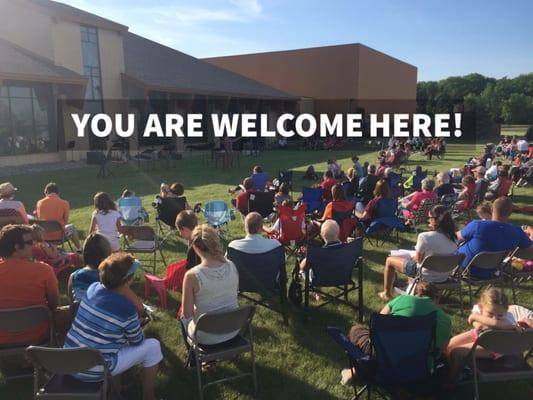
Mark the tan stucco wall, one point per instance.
(22, 23)
(321, 73)
(67, 46)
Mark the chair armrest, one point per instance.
(350, 349)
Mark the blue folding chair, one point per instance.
(396, 185)
(218, 215)
(131, 211)
(403, 356)
(386, 222)
(312, 198)
(260, 180)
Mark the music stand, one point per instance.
(70, 146)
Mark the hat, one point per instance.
(481, 169)
(134, 267)
(6, 189)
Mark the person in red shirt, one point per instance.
(23, 282)
(54, 208)
(241, 202)
(326, 185)
(412, 203)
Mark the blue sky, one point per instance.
(442, 38)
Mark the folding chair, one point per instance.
(515, 276)
(174, 274)
(218, 215)
(144, 240)
(381, 229)
(290, 228)
(312, 198)
(516, 346)
(259, 181)
(222, 323)
(343, 215)
(443, 264)
(131, 211)
(448, 200)
(261, 202)
(9, 216)
(17, 320)
(485, 261)
(285, 177)
(333, 268)
(402, 360)
(167, 209)
(421, 214)
(56, 366)
(262, 273)
(54, 227)
(396, 185)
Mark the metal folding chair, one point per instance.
(487, 261)
(10, 216)
(53, 370)
(516, 277)
(144, 240)
(55, 227)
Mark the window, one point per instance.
(25, 119)
(91, 62)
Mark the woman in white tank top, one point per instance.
(106, 219)
(210, 286)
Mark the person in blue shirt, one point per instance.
(107, 321)
(491, 235)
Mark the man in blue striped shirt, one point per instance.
(108, 321)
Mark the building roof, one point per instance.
(19, 63)
(73, 14)
(158, 67)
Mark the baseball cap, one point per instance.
(7, 188)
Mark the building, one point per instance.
(56, 60)
(343, 78)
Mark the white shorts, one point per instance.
(148, 353)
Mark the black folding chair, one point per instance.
(285, 177)
(403, 356)
(261, 202)
(167, 209)
(262, 273)
(489, 261)
(333, 268)
(51, 226)
(56, 366)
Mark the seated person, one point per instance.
(210, 286)
(282, 195)
(422, 303)
(465, 199)
(357, 166)
(96, 249)
(24, 283)
(275, 230)
(338, 202)
(414, 182)
(50, 254)
(484, 211)
(241, 201)
(412, 202)
(482, 184)
(496, 234)
(500, 187)
(107, 320)
(444, 186)
(310, 174)
(105, 219)
(327, 183)
(367, 185)
(439, 241)
(7, 200)
(492, 172)
(490, 313)
(254, 242)
(335, 169)
(351, 184)
(257, 169)
(175, 190)
(329, 233)
(54, 208)
(381, 206)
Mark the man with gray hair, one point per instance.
(254, 242)
(329, 232)
(444, 186)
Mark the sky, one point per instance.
(441, 38)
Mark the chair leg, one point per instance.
(360, 290)
(513, 289)
(306, 294)
(199, 375)
(155, 261)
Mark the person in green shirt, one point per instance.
(405, 306)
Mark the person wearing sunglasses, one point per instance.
(23, 282)
(440, 240)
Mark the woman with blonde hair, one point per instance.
(210, 286)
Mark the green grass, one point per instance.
(294, 362)
(514, 130)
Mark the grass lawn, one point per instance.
(514, 130)
(294, 362)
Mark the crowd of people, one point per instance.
(107, 315)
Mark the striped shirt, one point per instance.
(106, 321)
(81, 280)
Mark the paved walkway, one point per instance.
(32, 168)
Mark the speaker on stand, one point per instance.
(70, 146)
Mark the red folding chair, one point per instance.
(290, 233)
(173, 280)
